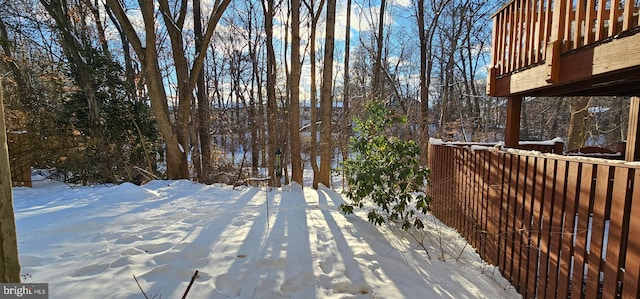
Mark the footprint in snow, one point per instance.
(326, 266)
(129, 239)
(346, 287)
(131, 251)
(90, 270)
(227, 286)
(298, 282)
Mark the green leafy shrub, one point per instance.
(386, 171)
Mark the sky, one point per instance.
(364, 19)
(399, 21)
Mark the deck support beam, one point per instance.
(633, 133)
(512, 127)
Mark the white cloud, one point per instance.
(403, 3)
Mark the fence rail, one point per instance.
(19, 159)
(556, 227)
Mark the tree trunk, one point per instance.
(346, 115)
(95, 11)
(9, 263)
(377, 64)
(271, 90)
(554, 130)
(326, 142)
(196, 162)
(294, 88)
(313, 93)
(424, 84)
(578, 122)
(128, 60)
(181, 67)
(204, 108)
(177, 140)
(254, 101)
(177, 167)
(426, 66)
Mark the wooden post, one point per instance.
(556, 41)
(627, 17)
(553, 61)
(512, 127)
(558, 148)
(633, 133)
(9, 264)
(493, 72)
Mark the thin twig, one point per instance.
(462, 251)
(141, 290)
(148, 175)
(420, 243)
(437, 223)
(193, 278)
(240, 172)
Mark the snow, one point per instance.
(594, 110)
(435, 141)
(481, 148)
(89, 242)
(543, 142)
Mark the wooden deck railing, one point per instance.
(530, 32)
(555, 226)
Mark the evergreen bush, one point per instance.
(385, 171)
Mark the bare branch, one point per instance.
(141, 290)
(193, 278)
(130, 32)
(215, 17)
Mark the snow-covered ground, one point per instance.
(89, 242)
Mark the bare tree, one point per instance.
(326, 109)
(177, 141)
(477, 29)
(449, 37)
(294, 89)
(346, 115)
(255, 119)
(426, 34)
(272, 108)
(378, 63)
(73, 49)
(579, 122)
(130, 70)
(315, 16)
(203, 114)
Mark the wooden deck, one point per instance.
(556, 226)
(564, 48)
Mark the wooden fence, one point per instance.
(556, 226)
(19, 159)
